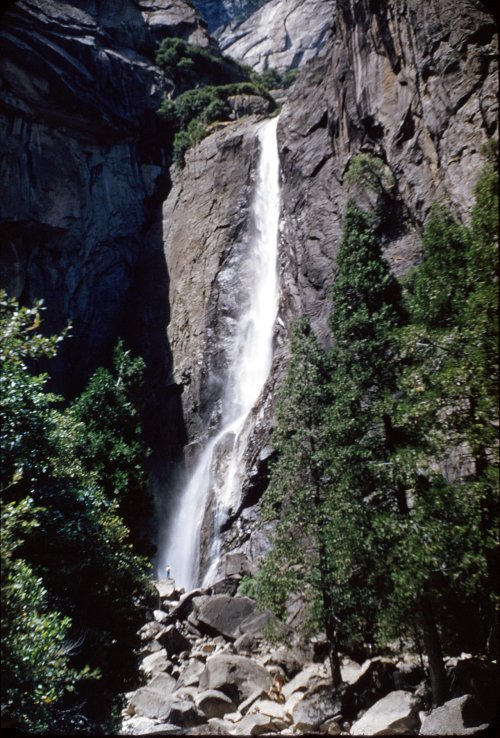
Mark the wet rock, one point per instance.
(394, 714)
(214, 704)
(460, 716)
(236, 676)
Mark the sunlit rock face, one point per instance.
(413, 85)
(270, 33)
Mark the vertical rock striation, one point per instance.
(411, 83)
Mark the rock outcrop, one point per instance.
(280, 35)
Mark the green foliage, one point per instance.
(369, 172)
(440, 287)
(109, 440)
(203, 83)
(69, 560)
(188, 65)
(36, 674)
(385, 489)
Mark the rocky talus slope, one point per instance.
(207, 669)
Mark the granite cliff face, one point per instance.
(412, 84)
(84, 161)
(275, 33)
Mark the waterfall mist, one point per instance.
(218, 466)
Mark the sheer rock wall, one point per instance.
(411, 83)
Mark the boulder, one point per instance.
(478, 678)
(185, 606)
(375, 680)
(244, 706)
(146, 726)
(394, 714)
(350, 670)
(310, 676)
(214, 704)
(185, 714)
(153, 700)
(160, 616)
(222, 614)
(289, 660)
(165, 588)
(149, 631)
(274, 710)
(236, 676)
(256, 624)
(245, 643)
(155, 663)
(312, 710)
(254, 724)
(460, 716)
(191, 675)
(173, 641)
(210, 729)
(408, 675)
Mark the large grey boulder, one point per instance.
(313, 710)
(214, 704)
(153, 700)
(155, 663)
(394, 714)
(460, 716)
(173, 641)
(221, 614)
(374, 681)
(236, 676)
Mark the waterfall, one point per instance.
(218, 466)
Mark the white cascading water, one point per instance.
(249, 366)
